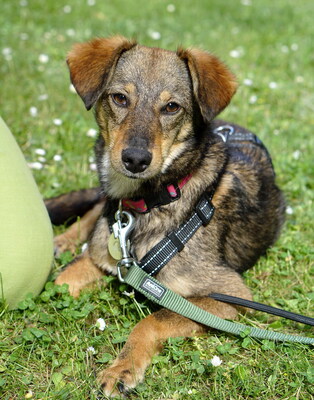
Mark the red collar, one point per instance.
(170, 194)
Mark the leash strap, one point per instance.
(174, 242)
(165, 297)
(263, 307)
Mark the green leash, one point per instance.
(153, 290)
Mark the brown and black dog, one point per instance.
(155, 111)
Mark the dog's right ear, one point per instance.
(90, 65)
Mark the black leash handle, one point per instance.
(263, 307)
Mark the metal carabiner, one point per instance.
(122, 231)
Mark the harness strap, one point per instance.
(174, 242)
(155, 291)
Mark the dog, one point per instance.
(155, 110)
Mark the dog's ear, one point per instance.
(90, 65)
(213, 84)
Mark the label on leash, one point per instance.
(153, 288)
(114, 248)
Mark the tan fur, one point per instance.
(80, 274)
(78, 232)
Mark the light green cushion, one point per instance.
(26, 246)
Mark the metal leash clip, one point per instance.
(122, 229)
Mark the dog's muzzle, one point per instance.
(136, 160)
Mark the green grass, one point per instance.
(43, 345)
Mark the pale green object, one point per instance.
(155, 291)
(26, 239)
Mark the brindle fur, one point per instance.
(249, 207)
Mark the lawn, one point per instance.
(52, 347)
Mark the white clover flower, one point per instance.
(216, 361)
(253, 99)
(70, 32)
(57, 157)
(7, 51)
(91, 349)
(40, 152)
(171, 8)
(47, 35)
(284, 49)
(35, 165)
(24, 36)
(33, 111)
(273, 85)
(43, 97)
(91, 159)
(294, 47)
(129, 294)
(299, 79)
(57, 121)
(93, 166)
(92, 132)
(101, 324)
(72, 88)
(296, 154)
(42, 159)
(248, 82)
(289, 210)
(43, 58)
(236, 53)
(91, 2)
(67, 9)
(154, 35)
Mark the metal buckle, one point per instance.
(224, 132)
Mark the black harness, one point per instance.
(175, 241)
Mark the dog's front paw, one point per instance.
(119, 380)
(63, 243)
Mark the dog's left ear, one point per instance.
(213, 84)
(90, 65)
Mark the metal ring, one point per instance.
(221, 129)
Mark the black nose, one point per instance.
(136, 160)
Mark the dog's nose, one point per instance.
(136, 160)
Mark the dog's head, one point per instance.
(146, 100)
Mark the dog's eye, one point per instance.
(119, 99)
(172, 108)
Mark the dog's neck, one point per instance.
(166, 195)
(116, 186)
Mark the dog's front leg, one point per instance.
(91, 265)
(146, 340)
(78, 232)
(81, 272)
